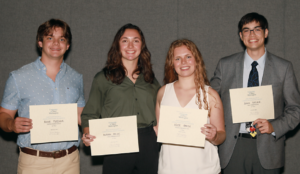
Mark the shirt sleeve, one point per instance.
(216, 80)
(11, 96)
(93, 107)
(81, 100)
(291, 115)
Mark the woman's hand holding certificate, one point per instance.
(181, 126)
(86, 137)
(210, 132)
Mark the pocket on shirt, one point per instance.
(72, 95)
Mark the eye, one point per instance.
(258, 29)
(136, 41)
(49, 38)
(177, 58)
(124, 41)
(246, 30)
(188, 57)
(62, 40)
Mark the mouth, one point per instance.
(185, 68)
(55, 49)
(130, 52)
(253, 40)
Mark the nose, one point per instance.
(55, 41)
(130, 44)
(183, 61)
(252, 33)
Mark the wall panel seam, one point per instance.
(177, 6)
(284, 34)
(70, 16)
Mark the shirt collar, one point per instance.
(40, 65)
(261, 61)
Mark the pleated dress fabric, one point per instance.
(177, 159)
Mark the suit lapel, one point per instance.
(239, 71)
(267, 77)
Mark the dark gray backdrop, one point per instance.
(212, 25)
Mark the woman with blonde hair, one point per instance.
(187, 86)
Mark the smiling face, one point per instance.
(54, 45)
(130, 45)
(184, 62)
(254, 40)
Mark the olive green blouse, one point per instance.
(110, 100)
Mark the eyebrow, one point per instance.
(52, 35)
(133, 38)
(184, 55)
(253, 28)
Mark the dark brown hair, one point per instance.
(250, 17)
(46, 28)
(200, 71)
(114, 69)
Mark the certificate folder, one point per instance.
(54, 123)
(114, 135)
(181, 126)
(249, 104)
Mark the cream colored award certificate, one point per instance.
(114, 135)
(249, 104)
(53, 123)
(181, 126)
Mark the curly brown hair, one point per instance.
(114, 69)
(200, 71)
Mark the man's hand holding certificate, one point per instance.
(54, 123)
(249, 104)
(182, 126)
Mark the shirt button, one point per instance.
(136, 99)
(235, 137)
(138, 113)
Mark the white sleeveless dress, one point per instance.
(175, 159)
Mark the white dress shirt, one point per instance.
(247, 69)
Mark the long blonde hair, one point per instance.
(200, 71)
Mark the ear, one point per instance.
(40, 44)
(68, 46)
(241, 36)
(266, 33)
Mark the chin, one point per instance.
(185, 75)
